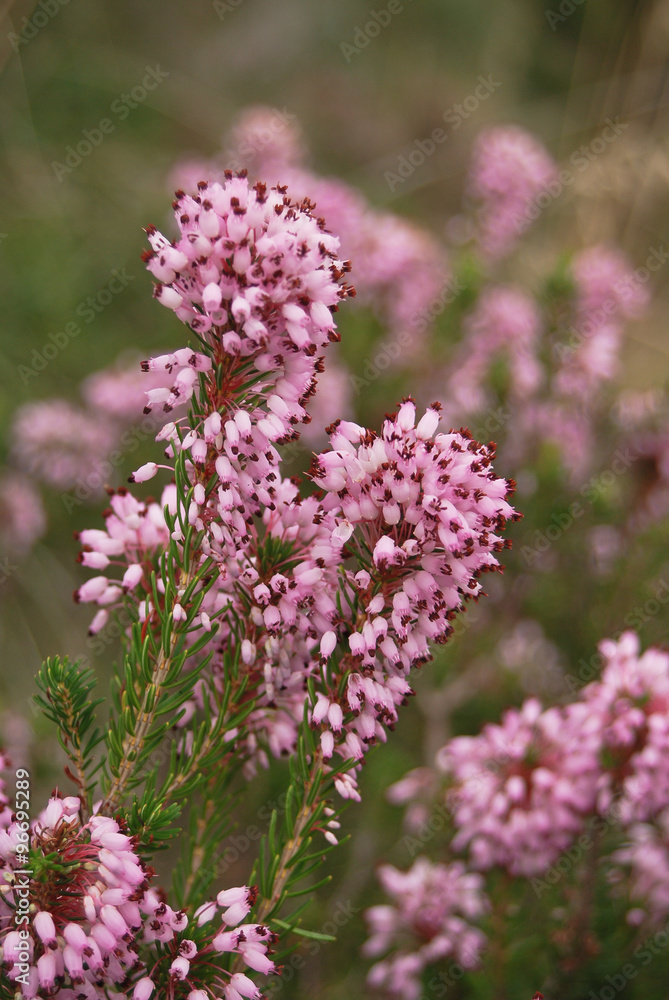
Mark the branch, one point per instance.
(134, 742)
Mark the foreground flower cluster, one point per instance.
(95, 917)
(265, 619)
(420, 510)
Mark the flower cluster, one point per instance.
(523, 788)
(57, 442)
(134, 535)
(257, 276)
(429, 920)
(628, 711)
(509, 172)
(505, 323)
(400, 269)
(297, 607)
(520, 793)
(607, 293)
(96, 925)
(423, 511)
(22, 518)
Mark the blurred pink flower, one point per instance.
(22, 517)
(509, 170)
(58, 443)
(428, 921)
(522, 788)
(504, 323)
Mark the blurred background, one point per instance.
(99, 103)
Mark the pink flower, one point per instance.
(645, 859)
(22, 517)
(428, 920)
(505, 323)
(628, 715)
(60, 444)
(401, 270)
(509, 170)
(426, 507)
(522, 789)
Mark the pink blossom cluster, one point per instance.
(70, 447)
(400, 268)
(422, 511)
(22, 517)
(555, 400)
(94, 926)
(523, 788)
(505, 324)
(281, 579)
(134, 535)
(429, 920)
(519, 795)
(255, 275)
(607, 294)
(509, 172)
(287, 603)
(55, 442)
(644, 858)
(257, 278)
(628, 710)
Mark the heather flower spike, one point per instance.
(259, 620)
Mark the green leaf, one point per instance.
(301, 932)
(66, 700)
